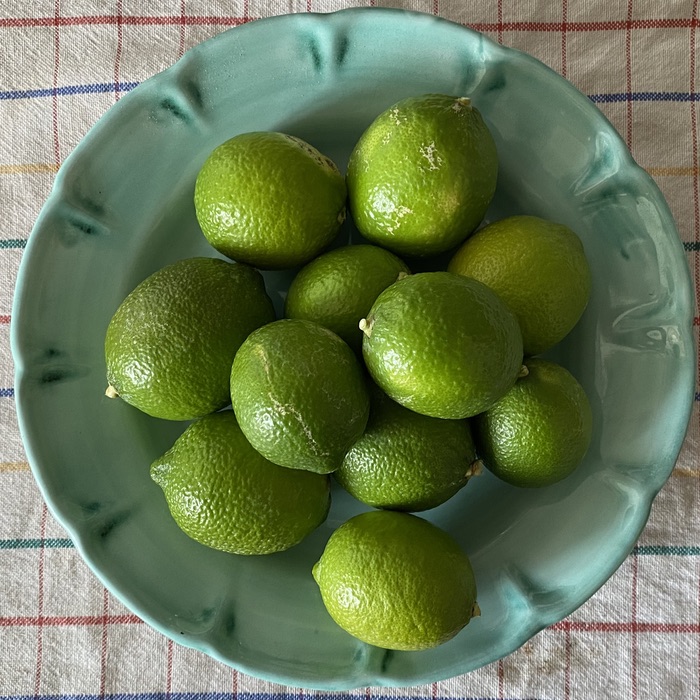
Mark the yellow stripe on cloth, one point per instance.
(677, 172)
(25, 168)
(692, 473)
(14, 466)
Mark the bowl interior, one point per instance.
(122, 208)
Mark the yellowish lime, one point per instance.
(396, 581)
(538, 268)
(269, 199)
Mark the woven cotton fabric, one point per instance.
(64, 63)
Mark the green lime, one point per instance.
(396, 581)
(442, 345)
(538, 268)
(269, 199)
(406, 461)
(338, 288)
(224, 494)
(170, 345)
(422, 175)
(299, 395)
(539, 432)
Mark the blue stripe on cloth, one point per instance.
(8, 243)
(293, 694)
(36, 543)
(667, 550)
(66, 90)
(7, 393)
(91, 88)
(65, 543)
(645, 97)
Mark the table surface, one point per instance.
(62, 65)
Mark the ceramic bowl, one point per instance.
(122, 208)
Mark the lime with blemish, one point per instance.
(422, 175)
(299, 394)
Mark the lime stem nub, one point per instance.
(366, 327)
(111, 392)
(475, 468)
(464, 101)
(476, 610)
(524, 371)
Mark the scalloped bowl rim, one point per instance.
(79, 537)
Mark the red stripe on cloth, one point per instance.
(567, 666)
(499, 25)
(698, 608)
(5, 318)
(181, 43)
(627, 627)
(635, 650)
(23, 22)
(563, 37)
(169, 670)
(118, 53)
(69, 620)
(220, 20)
(628, 72)
(614, 26)
(54, 106)
(40, 604)
(696, 206)
(103, 643)
(501, 679)
(696, 193)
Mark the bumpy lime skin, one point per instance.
(225, 495)
(269, 199)
(540, 431)
(423, 174)
(338, 288)
(299, 394)
(170, 345)
(539, 269)
(406, 461)
(396, 581)
(442, 345)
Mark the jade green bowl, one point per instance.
(122, 207)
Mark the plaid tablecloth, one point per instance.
(63, 63)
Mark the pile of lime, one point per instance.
(399, 386)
